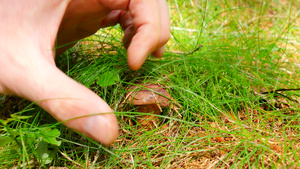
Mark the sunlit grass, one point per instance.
(227, 111)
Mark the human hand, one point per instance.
(145, 23)
(28, 31)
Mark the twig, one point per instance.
(280, 94)
(158, 104)
(96, 157)
(280, 90)
(190, 52)
(68, 158)
(184, 29)
(222, 159)
(213, 165)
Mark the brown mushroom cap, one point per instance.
(148, 94)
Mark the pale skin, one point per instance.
(30, 30)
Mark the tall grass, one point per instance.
(234, 103)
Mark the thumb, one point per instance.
(64, 99)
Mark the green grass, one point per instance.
(225, 113)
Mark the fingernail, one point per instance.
(101, 128)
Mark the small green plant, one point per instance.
(26, 138)
(108, 78)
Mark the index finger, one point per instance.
(147, 27)
(149, 20)
(165, 28)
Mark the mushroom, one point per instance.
(148, 98)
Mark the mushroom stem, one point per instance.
(148, 120)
